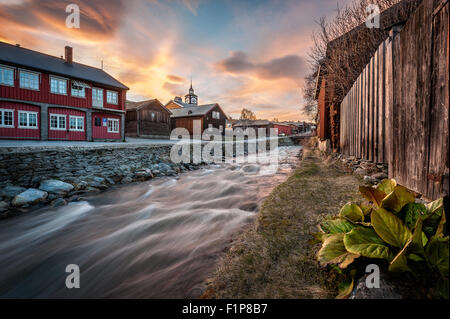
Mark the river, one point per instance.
(156, 239)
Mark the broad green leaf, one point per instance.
(352, 212)
(432, 221)
(414, 244)
(365, 241)
(435, 206)
(441, 227)
(398, 198)
(400, 263)
(345, 289)
(333, 251)
(372, 195)
(415, 257)
(438, 254)
(412, 212)
(424, 239)
(387, 186)
(366, 207)
(335, 226)
(390, 228)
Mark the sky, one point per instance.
(239, 53)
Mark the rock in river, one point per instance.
(29, 197)
(11, 191)
(55, 187)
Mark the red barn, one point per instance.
(285, 129)
(48, 98)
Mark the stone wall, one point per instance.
(28, 167)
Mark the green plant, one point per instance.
(388, 225)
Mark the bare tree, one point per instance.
(247, 115)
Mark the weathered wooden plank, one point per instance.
(389, 100)
(438, 167)
(375, 107)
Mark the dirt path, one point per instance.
(274, 257)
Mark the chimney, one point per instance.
(69, 55)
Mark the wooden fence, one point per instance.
(397, 110)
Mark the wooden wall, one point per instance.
(397, 110)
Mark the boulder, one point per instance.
(380, 176)
(144, 173)
(360, 171)
(59, 202)
(11, 191)
(4, 206)
(370, 179)
(391, 287)
(54, 186)
(81, 185)
(29, 197)
(126, 180)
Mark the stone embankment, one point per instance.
(56, 176)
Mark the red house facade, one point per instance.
(282, 128)
(48, 98)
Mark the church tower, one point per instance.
(191, 98)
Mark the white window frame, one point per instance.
(2, 75)
(109, 95)
(21, 84)
(76, 123)
(58, 128)
(113, 121)
(216, 115)
(2, 116)
(83, 89)
(97, 90)
(28, 120)
(58, 80)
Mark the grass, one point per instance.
(274, 258)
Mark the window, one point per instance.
(57, 122)
(97, 97)
(153, 117)
(113, 126)
(58, 85)
(98, 121)
(78, 91)
(29, 80)
(76, 123)
(111, 97)
(28, 119)
(6, 76)
(216, 115)
(6, 118)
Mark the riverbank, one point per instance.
(34, 177)
(274, 257)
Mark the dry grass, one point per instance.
(275, 258)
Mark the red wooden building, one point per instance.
(48, 98)
(282, 128)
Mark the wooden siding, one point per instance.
(66, 134)
(217, 123)
(187, 123)
(398, 109)
(101, 132)
(141, 123)
(44, 95)
(16, 132)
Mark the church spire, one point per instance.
(191, 98)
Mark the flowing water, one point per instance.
(157, 239)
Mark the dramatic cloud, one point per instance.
(175, 78)
(291, 66)
(99, 19)
(238, 53)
